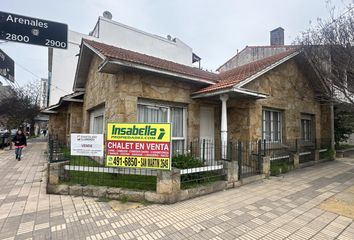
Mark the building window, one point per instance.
(97, 121)
(159, 113)
(306, 127)
(271, 126)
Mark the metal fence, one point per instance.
(199, 161)
(281, 154)
(248, 155)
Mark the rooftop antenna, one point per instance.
(107, 14)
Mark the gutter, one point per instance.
(151, 69)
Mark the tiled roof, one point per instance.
(150, 61)
(234, 76)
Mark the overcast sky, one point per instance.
(214, 29)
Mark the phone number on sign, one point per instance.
(138, 162)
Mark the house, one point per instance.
(62, 63)
(275, 97)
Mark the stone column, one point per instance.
(266, 166)
(296, 159)
(169, 184)
(56, 172)
(224, 98)
(231, 169)
(317, 155)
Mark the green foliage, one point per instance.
(186, 161)
(20, 105)
(139, 182)
(278, 168)
(344, 146)
(343, 123)
(194, 179)
(331, 154)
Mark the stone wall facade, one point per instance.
(289, 92)
(287, 88)
(58, 123)
(121, 92)
(67, 120)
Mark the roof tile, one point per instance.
(135, 57)
(231, 77)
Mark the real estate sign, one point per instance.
(139, 145)
(86, 144)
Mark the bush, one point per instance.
(186, 161)
(331, 154)
(276, 169)
(344, 146)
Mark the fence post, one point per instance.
(50, 145)
(296, 159)
(239, 160)
(265, 147)
(230, 151)
(266, 166)
(169, 184)
(297, 145)
(259, 157)
(191, 148)
(317, 155)
(203, 153)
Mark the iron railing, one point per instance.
(199, 161)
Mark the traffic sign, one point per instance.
(7, 67)
(35, 31)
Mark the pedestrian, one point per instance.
(20, 142)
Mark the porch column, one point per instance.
(224, 98)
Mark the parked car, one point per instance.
(13, 133)
(4, 139)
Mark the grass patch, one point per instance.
(328, 155)
(137, 182)
(103, 199)
(200, 179)
(344, 146)
(185, 161)
(83, 161)
(279, 168)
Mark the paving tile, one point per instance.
(284, 208)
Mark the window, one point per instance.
(97, 121)
(271, 126)
(306, 127)
(163, 114)
(98, 124)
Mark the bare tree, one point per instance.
(20, 106)
(328, 45)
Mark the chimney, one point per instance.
(277, 36)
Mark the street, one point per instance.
(286, 207)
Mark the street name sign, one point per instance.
(139, 145)
(7, 67)
(35, 31)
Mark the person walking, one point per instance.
(20, 142)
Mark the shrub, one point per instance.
(185, 161)
(276, 169)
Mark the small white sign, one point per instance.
(86, 144)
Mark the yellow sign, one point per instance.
(139, 145)
(152, 132)
(138, 162)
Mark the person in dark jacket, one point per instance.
(20, 142)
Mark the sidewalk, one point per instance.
(287, 207)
